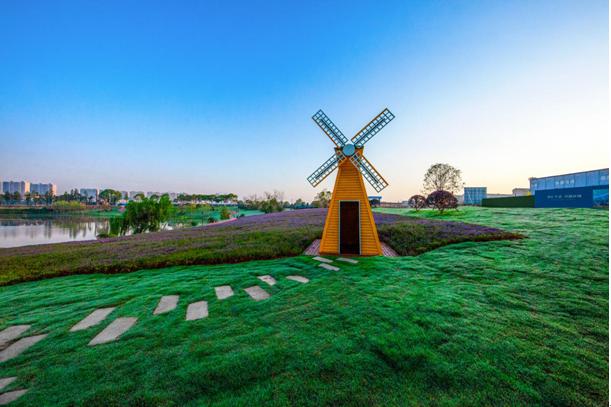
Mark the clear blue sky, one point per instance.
(217, 96)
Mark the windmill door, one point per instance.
(349, 228)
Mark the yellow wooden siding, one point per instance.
(349, 186)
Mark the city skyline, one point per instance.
(502, 91)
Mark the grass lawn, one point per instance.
(511, 322)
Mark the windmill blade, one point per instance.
(330, 129)
(325, 169)
(369, 172)
(372, 128)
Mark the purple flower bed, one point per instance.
(248, 238)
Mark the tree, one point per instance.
(28, 198)
(322, 199)
(143, 216)
(16, 196)
(417, 202)
(7, 197)
(442, 177)
(111, 196)
(225, 214)
(442, 200)
(271, 203)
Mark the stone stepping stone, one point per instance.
(11, 396)
(18, 347)
(112, 332)
(267, 279)
(299, 279)
(257, 293)
(197, 310)
(6, 381)
(328, 267)
(93, 319)
(345, 260)
(11, 333)
(223, 292)
(166, 304)
(322, 259)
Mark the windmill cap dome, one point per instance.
(348, 149)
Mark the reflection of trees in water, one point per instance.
(74, 228)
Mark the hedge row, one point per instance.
(510, 202)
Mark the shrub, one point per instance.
(417, 202)
(225, 214)
(442, 200)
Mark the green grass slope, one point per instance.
(514, 322)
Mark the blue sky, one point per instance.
(216, 97)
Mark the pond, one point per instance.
(16, 232)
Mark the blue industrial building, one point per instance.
(474, 195)
(586, 189)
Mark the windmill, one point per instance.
(349, 227)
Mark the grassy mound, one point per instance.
(249, 238)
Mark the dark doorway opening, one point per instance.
(349, 233)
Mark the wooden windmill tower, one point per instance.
(349, 227)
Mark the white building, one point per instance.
(91, 194)
(11, 187)
(42, 189)
(520, 191)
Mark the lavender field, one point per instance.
(249, 238)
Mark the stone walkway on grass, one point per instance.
(112, 332)
(257, 293)
(11, 396)
(197, 310)
(267, 279)
(92, 319)
(11, 346)
(223, 292)
(166, 304)
(16, 348)
(11, 333)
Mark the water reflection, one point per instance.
(23, 232)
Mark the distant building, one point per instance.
(573, 180)
(474, 195)
(132, 194)
(520, 192)
(91, 194)
(575, 190)
(11, 187)
(42, 189)
(150, 194)
(124, 195)
(374, 201)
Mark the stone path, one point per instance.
(11, 333)
(166, 304)
(92, 319)
(112, 332)
(197, 310)
(322, 259)
(223, 292)
(257, 293)
(299, 279)
(11, 396)
(346, 260)
(328, 267)
(16, 348)
(6, 381)
(314, 249)
(267, 279)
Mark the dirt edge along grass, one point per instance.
(259, 237)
